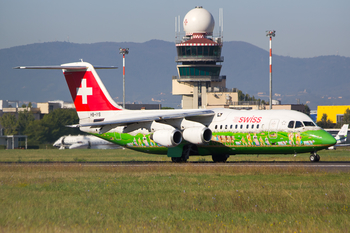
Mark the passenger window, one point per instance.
(216, 126)
(298, 124)
(257, 126)
(308, 123)
(291, 124)
(247, 126)
(225, 126)
(241, 126)
(231, 127)
(252, 126)
(220, 126)
(236, 126)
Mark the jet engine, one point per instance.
(168, 138)
(197, 135)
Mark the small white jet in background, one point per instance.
(84, 142)
(341, 137)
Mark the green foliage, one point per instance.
(346, 119)
(16, 126)
(52, 126)
(9, 124)
(240, 95)
(325, 123)
(24, 119)
(307, 110)
(247, 97)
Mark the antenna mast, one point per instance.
(221, 22)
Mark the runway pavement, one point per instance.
(322, 166)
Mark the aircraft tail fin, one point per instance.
(87, 89)
(342, 134)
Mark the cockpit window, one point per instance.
(291, 124)
(309, 123)
(298, 124)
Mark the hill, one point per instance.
(150, 65)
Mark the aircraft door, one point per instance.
(273, 126)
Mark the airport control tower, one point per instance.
(199, 64)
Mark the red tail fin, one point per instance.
(87, 89)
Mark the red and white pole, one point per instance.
(123, 51)
(124, 80)
(270, 34)
(270, 72)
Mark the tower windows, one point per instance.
(200, 71)
(212, 51)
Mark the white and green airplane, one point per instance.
(182, 133)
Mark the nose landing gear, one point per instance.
(314, 157)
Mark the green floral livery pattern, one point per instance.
(232, 142)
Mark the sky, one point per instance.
(304, 28)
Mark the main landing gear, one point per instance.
(181, 159)
(220, 158)
(186, 152)
(314, 157)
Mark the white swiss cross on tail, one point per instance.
(84, 91)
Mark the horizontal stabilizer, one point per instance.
(63, 67)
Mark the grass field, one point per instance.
(166, 197)
(120, 155)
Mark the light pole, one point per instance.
(123, 51)
(270, 34)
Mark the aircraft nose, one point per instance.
(328, 139)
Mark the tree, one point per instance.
(240, 95)
(247, 97)
(307, 110)
(325, 123)
(346, 119)
(52, 126)
(24, 119)
(9, 123)
(13, 125)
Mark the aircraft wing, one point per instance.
(341, 145)
(126, 119)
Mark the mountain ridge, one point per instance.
(150, 66)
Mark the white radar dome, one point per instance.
(198, 20)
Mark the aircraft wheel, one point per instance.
(317, 158)
(220, 158)
(176, 159)
(181, 159)
(314, 157)
(184, 159)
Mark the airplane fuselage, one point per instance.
(239, 132)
